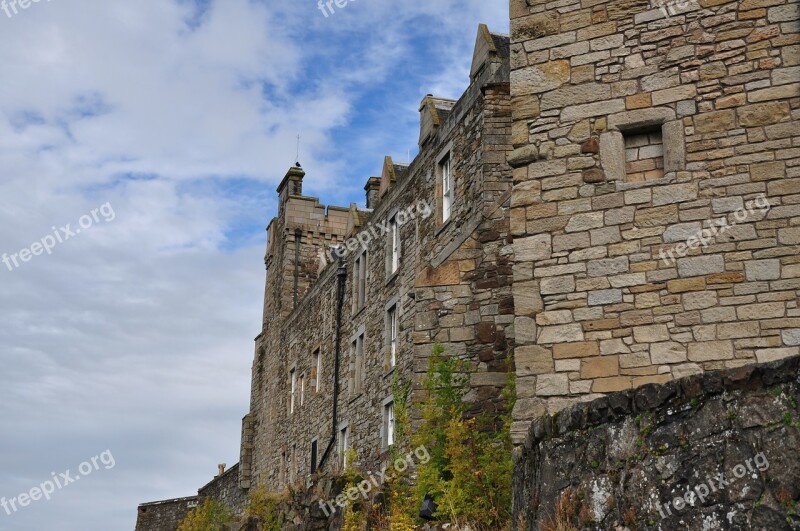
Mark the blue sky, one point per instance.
(136, 335)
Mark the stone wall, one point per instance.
(164, 515)
(452, 286)
(225, 489)
(627, 460)
(623, 276)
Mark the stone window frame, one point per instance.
(394, 302)
(292, 388)
(388, 401)
(360, 284)
(284, 469)
(391, 273)
(612, 144)
(313, 454)
(358, 361)
(316, 368)
(302, 381)
(293, 468)
(445, 152)
(343, 443)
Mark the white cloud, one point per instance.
(136, 335)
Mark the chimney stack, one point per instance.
(221, 468)
(372, 188)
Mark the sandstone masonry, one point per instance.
(633, 132)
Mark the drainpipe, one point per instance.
(341, 278)
(298, 234)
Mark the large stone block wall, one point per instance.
(710, 451)
(608, 295)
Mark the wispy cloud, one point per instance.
(137, 337)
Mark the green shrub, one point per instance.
(264, 505)
(469, 473)
(208, 516)
(355, 518)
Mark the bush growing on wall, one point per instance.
(469, 474)
(208, 516)
(264, 505)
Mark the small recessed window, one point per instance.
(293, 466)
(314, 456)
(293, 389)
(389, 423)
(644, 155)
(445, 171)
(302, 388)
(316, 370)
(344, 445)
(391, 321)
(360, 284)
(358, 363)
(394, 235)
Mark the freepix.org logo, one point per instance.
(700, 492)
(58, 481)
(12, 7)
(59, 235)
(373, 232)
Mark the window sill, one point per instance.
(392, 276)
(390, 372)
(353, 399)
(358, 311)
(624, 186)
(386, 451)
(442, 227)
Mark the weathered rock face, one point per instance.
(627, 460)
(656, 166)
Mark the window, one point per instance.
(391, 321)
(632, 150)
(447, 187)
(394, 234)
(644, 155)
(313, 456)
(388, 423)
(293, 389)
(344, 445)
(360, 282)
(358, 363)
(316, 371)
(283, 467)
(302, 388)
(293, 469)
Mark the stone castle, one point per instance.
(615, 199)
